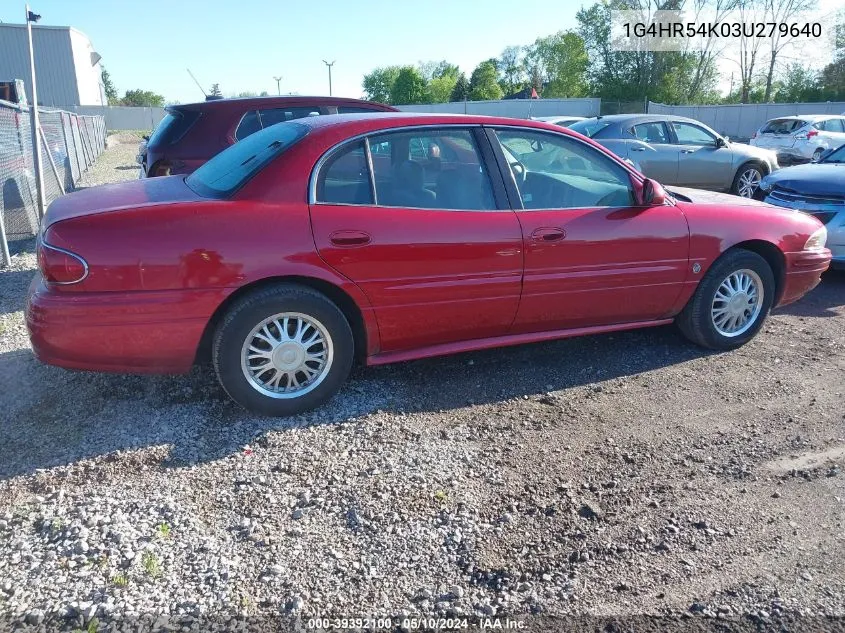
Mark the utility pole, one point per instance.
(278, 85)
(330, 74)
(36, 141)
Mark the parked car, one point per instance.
(561, 120)
(190, 134)
(679, 151)
(298, 249)
(817, 189)
(801, 138)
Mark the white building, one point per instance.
(66, 66)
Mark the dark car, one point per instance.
(817, 189)
(191, 134)
(679, 151)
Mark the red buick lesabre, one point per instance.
(390, 237)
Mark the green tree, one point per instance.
(144, 98)
(215, 91)
(562, 62)
(409, 87)
(108, 87)
(436, 70)
(378, 84)
(440, 88)
(512, 75)
(832, 79)
(484, 84)
(461, 90)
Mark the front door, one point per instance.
(436, 251)
(592, 256)
(654, 152)
(703, 161)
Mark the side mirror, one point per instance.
(653, 193)
(721, 142)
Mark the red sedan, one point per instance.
(391, 237)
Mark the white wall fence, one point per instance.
(741, 120)
(514, 108)
(122, 117)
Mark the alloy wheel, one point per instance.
(749, 180)
(737, 303)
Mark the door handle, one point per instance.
(350, 238)
(548, 234)
(687, 151)
(638, 149)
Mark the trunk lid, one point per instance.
(133, 193)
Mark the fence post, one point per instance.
(7, 259)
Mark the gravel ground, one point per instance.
(611, 476)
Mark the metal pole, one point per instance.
(7, 259)
(278, 85)
(330, 74)
(36, 146)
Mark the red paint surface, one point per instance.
(163, 261)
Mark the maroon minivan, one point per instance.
(191, 134)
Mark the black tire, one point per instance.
(817, 155)
(735, 187)
(247, 313)
(695, 320)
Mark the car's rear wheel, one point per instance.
(283, 350)
(747, 180)
(817, 155)
(731, 302)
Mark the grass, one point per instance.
(151, 564)
(163, 530)
(120, 579)
(93, 627)
(440, 495)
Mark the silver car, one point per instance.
(801, 138)
(563, 120)
(679, 151)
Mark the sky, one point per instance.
(243, 45)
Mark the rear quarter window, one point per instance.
(589, 128)
(782, 126)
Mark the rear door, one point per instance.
(702, 163)
(435, 248)
(654, 152)
(833, 131)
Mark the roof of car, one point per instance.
(805, 117)
(248, 102)
(627, 118)
(398, 119)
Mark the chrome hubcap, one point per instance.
(737, 303)
(287, 355)
(748, 182)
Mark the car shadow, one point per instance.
(826, 300)
(53, 417)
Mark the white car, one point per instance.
(562, 120)
(801, 138)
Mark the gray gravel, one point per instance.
(614, 475)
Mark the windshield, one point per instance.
(836, 156)
(172, 127)
(782, 126)
(227, 172)
(589, 127)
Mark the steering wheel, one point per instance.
(519, 171)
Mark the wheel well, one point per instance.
(773, 256)
(757, 163)
(342, 300)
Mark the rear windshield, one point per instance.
(232, 168)
(589, 127)
(782, 126)
(173, 126)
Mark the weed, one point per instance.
(151, 564)
(163, 530)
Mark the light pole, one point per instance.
(36, 143)
(330, 74)
(278, 85)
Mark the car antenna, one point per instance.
(197, 83)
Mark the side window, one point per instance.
(654, 132)
(271, 116)
(345, 178)
(248, 125)
(555, 172)
(689, 134)
(430, 169)
(833, 125)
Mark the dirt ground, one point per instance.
(631, 477)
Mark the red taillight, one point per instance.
(59, 266)
(812, 133)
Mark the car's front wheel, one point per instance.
(731, 302)
(747, 180)
(283, 350)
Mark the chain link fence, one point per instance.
(70, 143)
